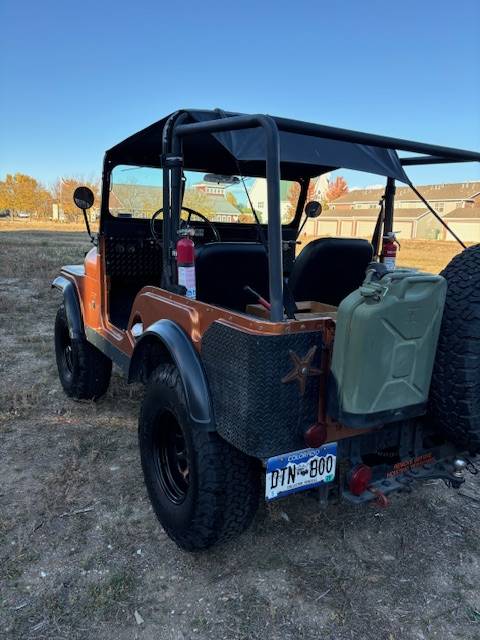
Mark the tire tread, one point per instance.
(455, 388)
(227, 498)
(93, 368)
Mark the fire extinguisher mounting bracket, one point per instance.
(172, 160)
(185, 232)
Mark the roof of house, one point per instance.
(431, 192)
(219, 204)
(350, 212)
(466, 213)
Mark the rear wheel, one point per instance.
(202, 490)
(455, 389)
(84, 371)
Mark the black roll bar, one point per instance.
(174, 130)
(420, 160)
(389, 205)
(268, 124)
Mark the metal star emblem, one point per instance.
(302, 369)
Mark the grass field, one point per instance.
(427, 255)
(82, 556)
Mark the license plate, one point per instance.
(300, 470)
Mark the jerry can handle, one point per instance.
(422, 279)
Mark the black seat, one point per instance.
(328, 269)
(224, 268)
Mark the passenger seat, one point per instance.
(328, 269)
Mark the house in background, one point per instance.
(355, 214)
(140, 201)
(215, 200)
(258, 196)
(135, 200)
(214, 189)
(465, 222)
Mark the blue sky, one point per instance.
(77, 77)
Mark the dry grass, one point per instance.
(427, 255)
(80, 549)
(41, 225)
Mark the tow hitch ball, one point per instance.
(459, 467)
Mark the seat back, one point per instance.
(328, 269)
(224, 268)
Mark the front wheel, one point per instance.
(202, 490)
(84, 371)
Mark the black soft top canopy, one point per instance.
(306, 149)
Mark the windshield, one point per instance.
(136, 192)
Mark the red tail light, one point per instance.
(316, 435)
(359, 480)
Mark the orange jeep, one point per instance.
(331, 371)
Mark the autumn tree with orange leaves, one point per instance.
(20, 193)
(62, 193)
(293, 196)
(336, 188)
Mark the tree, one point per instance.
(246, 218)
(293, 196)
(232, 200)
(336, 189)
(199, 201)
(22, 193)
(62, 193)
(139, 200)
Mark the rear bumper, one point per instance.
(396, 480)
(399, 456)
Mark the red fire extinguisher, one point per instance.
(186, 262)
(389, 250)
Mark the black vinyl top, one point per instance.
(306, 149)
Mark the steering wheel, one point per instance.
(191, 212)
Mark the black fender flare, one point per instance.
(72, 307)
(183, 354)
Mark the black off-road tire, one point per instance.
(219, 494)
(455, 388)
(84, 371)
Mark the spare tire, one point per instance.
(455, 388)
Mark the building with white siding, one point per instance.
(355, 213)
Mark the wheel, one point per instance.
(202, 490)
(84, 371)
(455, 388)
(191, 212)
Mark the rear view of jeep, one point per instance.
(268, 370)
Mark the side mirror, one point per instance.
(313, 209)
(83, 198)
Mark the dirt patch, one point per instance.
(82, 556)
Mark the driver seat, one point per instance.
(222, 269)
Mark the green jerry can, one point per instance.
(384, 348)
